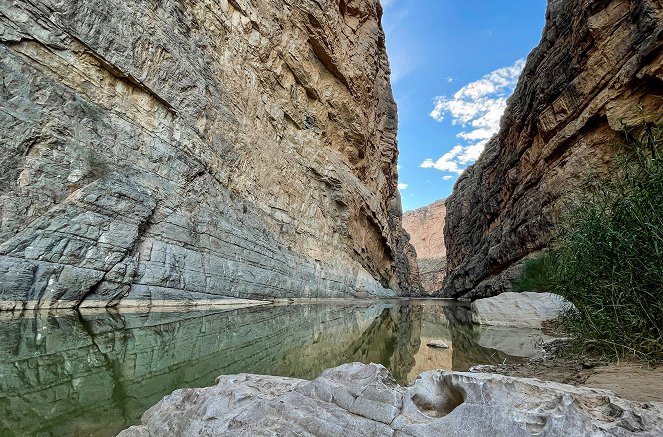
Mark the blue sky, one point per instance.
(454, 63)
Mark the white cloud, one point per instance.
(481, 101)
(447, 177)
(402, 186)
(448, 161)
(401, 65)
(477, 108)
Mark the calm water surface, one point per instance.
(94, 374)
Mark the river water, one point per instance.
(94, 374)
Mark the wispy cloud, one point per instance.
(477, 108)
(402, 186)
(448, 161)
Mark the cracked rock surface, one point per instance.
(358, 399)
(186, 151)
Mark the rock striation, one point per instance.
(425, 226)
(598, 69)
(357, 399)
(156, 151)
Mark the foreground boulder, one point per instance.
(358, 399)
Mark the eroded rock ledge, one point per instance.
(357, 399)
(189, 150)
(598, 69)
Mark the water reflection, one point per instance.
(93, 374)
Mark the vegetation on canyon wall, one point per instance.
(607, 257)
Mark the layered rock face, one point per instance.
(425, 226)
(597, 70)
(357, 399)
(189, 150)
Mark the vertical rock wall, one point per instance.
(184, 150)
(598, 69)
(425, 227)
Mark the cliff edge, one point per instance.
(598, 69)
(184, 151)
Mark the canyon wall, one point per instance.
(597, 70)
(181, 150)
(425, 227)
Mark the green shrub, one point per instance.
(536, 274)
(607, 258)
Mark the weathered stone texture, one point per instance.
(598, 68)
(357, 399)
(426, 228)
(185, 150)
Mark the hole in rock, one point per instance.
(443, 400)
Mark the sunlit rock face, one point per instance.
(598, 69)
(425, 226)
(191, 150)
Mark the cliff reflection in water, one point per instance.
(71, 374)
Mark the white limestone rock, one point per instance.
(358, 399)
(518, 310)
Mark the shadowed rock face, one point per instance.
(598, 68)
(191, 150)
(425, 226)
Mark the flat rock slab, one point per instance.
(518, 310)
(437, 344)
(358, 399)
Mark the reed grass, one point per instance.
(607, 257)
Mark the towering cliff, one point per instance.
(598, 69)
(183, 150)
(424, 226)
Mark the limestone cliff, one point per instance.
(425, 227)
(598, 68)
(185, 150)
